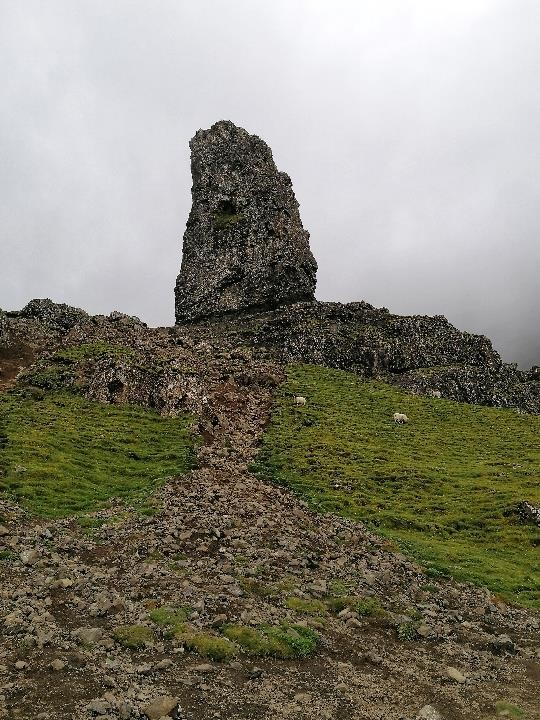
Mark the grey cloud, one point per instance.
(411, 131)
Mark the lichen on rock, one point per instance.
(244, 244)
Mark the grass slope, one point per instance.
(445, 486)
(63, 454)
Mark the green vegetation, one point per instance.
(444, 486)
(364, 606)
(224, 220)
(280, 641)
(47, 377)
(406, 631)
(59, 371)
(90, 351)
(170, 619)
(506, 709)
(133, 637)
(64, 455)
(210, 646)
(307, 607)
(283, 641)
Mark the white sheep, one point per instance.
(299, 400)
(400, 418)
(435, 393)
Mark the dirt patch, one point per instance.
(14, 358)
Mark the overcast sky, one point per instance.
(410, 128)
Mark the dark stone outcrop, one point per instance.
(244, 244)
(529, 513)
(422, 354)
(56, 316)
(4, 329)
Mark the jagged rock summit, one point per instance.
(244, 244)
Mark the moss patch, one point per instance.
(63, 454)
(506, 709)
(225, 220)
(170, 619)
(210, 646)
(133, 637)
(444, 487)
(90, 351)
(365, 606)
(307, 607)
(283, 641)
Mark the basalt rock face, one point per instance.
(419, 353)
(56, 316)
(244, 244)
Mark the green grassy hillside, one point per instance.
(62, 454)
(445, 486)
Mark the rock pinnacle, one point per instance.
(244, 244)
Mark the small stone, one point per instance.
(455, 675)
(88, 635)
(99, 707)
(29, 557)
(144, 669)
(57, 665)
(503, 644)
(163, 664)
(125, 710)
(160, 707)
(219, 620)
(203, 668)
(428, 712)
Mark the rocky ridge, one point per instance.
(419, 353)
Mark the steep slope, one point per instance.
(448, 485)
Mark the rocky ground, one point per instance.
(230, 549)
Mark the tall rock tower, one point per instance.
(244, 244)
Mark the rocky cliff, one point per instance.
(244, 245)
(248, 278)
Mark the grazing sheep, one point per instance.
(400, 418)
(435, 393)
(299, 400)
